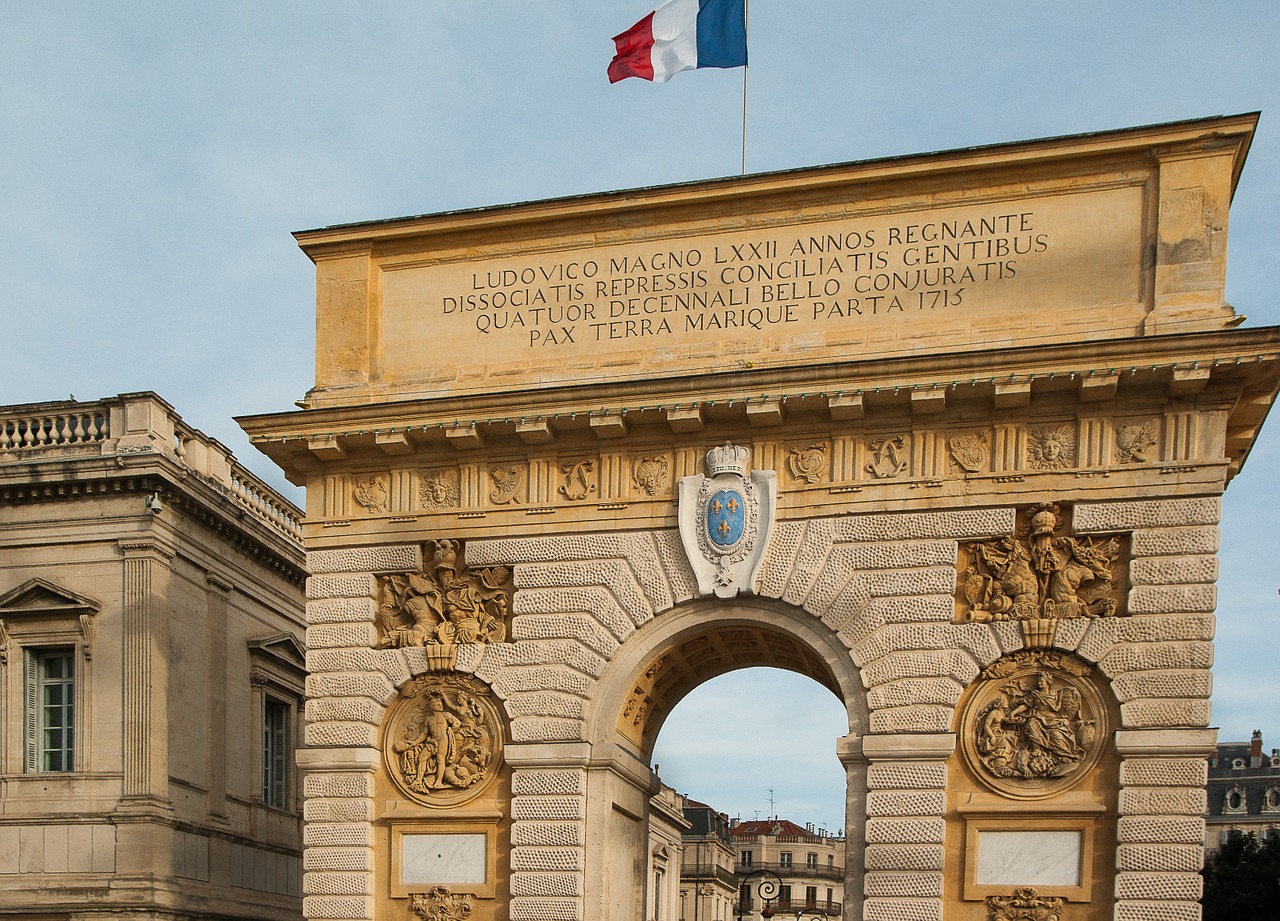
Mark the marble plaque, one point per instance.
(1028, 858)
(443, 859)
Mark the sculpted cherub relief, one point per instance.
(1024, 905)
(1040, 573)
(443, 603)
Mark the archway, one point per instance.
(658, 667)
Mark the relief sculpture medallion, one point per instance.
(1033, 724)
(443, 739)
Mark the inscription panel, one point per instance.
(870, 286)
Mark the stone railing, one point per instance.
(76, 425)
(141, 424)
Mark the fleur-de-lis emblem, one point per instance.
(724, 529)
(734, 505)
(717, 507)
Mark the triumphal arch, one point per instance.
(945, 433)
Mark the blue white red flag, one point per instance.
(682, 35)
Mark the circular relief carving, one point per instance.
(442, 743)
(1032, 727)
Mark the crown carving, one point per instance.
(728, 458)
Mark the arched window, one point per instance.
(1234, 800)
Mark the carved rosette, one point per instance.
(1033, 724)
(439, 904)
(1039, 573)
(442, 741)
(1024, 905)
(445, 604)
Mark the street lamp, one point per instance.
(768, 889)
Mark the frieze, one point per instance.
(442, 742)
(440, 488)
(890, 460)
(579, 480)
(808, 464)
(1051, 448)
(1135, 442)
(1033, 724)
(371, 493)
(1040, 572)
(970, 451)
(652, 475)
(1024, 905)
(508, 481)
(446, 603)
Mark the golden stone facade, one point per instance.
(997, 394)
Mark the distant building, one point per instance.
(151, 671)
(1244, 792)
(808, 861)
(708, 884)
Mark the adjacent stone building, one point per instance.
(808, 862)
(1243, 792)
(151, 670)
(708, 884)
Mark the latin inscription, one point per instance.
(838, 275)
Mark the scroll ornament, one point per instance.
(1024, 905)
(442, 604)
(439, 904)
(1042, 575)
(443, 739)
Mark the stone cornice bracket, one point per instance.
(465, 436)
(326, 447)
(158, 550)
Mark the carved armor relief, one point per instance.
(1024, 905)
(1041, 572)
(1033, 724)
(445, 604)
(442, 740)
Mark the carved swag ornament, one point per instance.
(446, 603)
(443, 739)
(1032, 726)
(1039, 572)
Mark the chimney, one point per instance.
(1255, 749)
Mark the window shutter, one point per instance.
(31, 744)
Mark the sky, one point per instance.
(155, 158)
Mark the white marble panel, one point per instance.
(1028, 858)
(443, 859)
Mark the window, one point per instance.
(784, 860)
(50, 709)
(746, 858)
(831, 861)
(811, 895)
(1271, 799)
(812, 861)
(1234, 800)
(831, 893)
(275, 753)
(784, 897)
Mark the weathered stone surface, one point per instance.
(907, 776)
(547, 859)
(1160, 858)
(321, 859)
(337, 908)
(1194, 683)
(1172, 599)
(944, 691)
(1158, 911)
(346, 783)
(373, 559)
(530, 782)
(1174, 541)
(902, 909)
(547, 808)
(1164, 772)
(333, 835)
(373, 685)
(1167, 801)
(341, 735)
(547, 834)
(1174, 570)
(917, 718)
(344, 709)
(952, 663)
(1159, 886)
(1159, 830)
(342, 585)
(906, 831)
(1133, 657)
(337, 636)
(918, 857)
(546, 909)
(1140, 514)
(903, 885)
(1140, 714)
(906, 803)
(546, 885)
(341, 611)
(335, 809)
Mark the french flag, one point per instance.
(682, 35)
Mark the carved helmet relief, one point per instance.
(442, 741)
(445, 603)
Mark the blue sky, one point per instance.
(154, 158)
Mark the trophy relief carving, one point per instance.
(439, 904)
(371, 493)
(652, 475)
(1024, 905)
(1039, 572)
(443, 739)
(890, 460)
(1033, 724)
(808, 463)
(507, 483)
(439, 488)
(1134, 442)
(446, 603)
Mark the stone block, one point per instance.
(1148, 713)
(546, 885)
(1160, 830)
(976, 639)
(527, 679)
(903, 885)
(944, 691)
(917, 718)
(547, 834)
(906, 831)
(909, 857)
(547, 859)
(1141, 514)
(546, 729)
(1173, 599)
(1158, 628)
(342, 585)
(341, 611)
(811, 554)
(886, 803)
(333, 809)
(527, 782)
(344, 709)
(339, 684)
(548, 808)
(333, 783)
(595, 601)
(907, 776)
(956, 524)
(1164, 772)
(337, 636)
(328, 859)
(777, 565)
(1194, 683)
(615, 575)
(330, 835)
(1161, 887)
(1174, 541)
(544, 909)
(1174, 570)
(582, 627)
(338, 908)
(1168, 801)
(547, 703)
(386, 558)
(1135, 657)
(952, 663)
(1157, 911)
(341, 735)
(902, 910)
(1160, 858)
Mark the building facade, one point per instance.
(1243, 792)
(809, 865)
(151, 670)
(708, 884)
(947, 434)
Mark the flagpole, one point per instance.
(746, 28)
